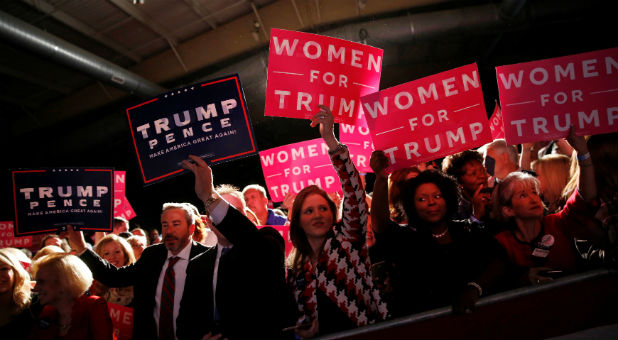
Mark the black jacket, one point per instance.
(143, 275)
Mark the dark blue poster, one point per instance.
(46, 200)
(209, 120)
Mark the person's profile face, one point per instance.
(47, 286)
(255, 200)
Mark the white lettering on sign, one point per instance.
(334, 54)
(540, 76)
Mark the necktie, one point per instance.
(166, 316)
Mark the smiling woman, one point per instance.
(328, 268)
(536, 243)
(456, 259)
(119, 253)
(62, 280)
(14, 296)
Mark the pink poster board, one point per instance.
(122, 207)
(292, 167)
(542, 99)
(8, 239)
(496, 124)
(358, 139)
(428, 118)
(305, 70)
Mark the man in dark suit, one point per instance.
(238, 289)
(148, 273)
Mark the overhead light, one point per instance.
(141, 2)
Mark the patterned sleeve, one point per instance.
(355, 208)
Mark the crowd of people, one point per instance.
(487, 220)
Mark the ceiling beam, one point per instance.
(259, 19)
(203, 13)
(81, 27)
(198, 53)
(145, 19)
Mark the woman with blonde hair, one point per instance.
(61, 282)
(553, 171)
(15, 288)
(537, 244)
(51, 249)
(117, 251)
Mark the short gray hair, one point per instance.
(500, 146)
(503, 193)
(189, 209)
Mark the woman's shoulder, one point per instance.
(90, 301)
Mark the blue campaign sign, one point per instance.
(209, 120)
(47, 200)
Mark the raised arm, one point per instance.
(379, 204)
(525, 157)
(587, 184)
(234, 225)
(355, 208)
(102, 270)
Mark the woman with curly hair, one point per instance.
(435, 260)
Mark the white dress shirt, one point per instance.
(180, 273)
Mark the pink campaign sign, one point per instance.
(292, 167)
(122, 207)
(358, 139)
(496, 124)
(120, 179)
(542, 99)
(428, 118)
(8, 239)
(305, 70)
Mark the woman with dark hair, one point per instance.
(468, 169)
(435, 260)
(328, 268)
(395, 181)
